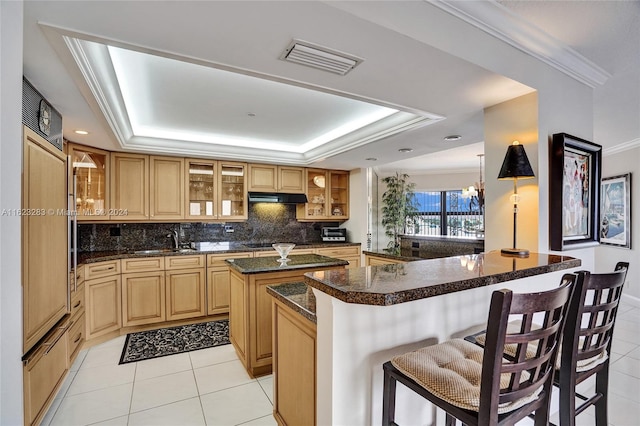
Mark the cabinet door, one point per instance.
(201, 192)
(166, 190)
(238, 316)
(185, 294)
(291, 179)
(129, 186)
(233, 191)
(44, 238)
(91, 171)
(103, 301)
(218, 281)
(143, 298)
(263, 178)
(317, 207)
(338, 195)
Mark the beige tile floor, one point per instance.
(210, 387)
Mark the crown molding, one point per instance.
(622, 147)
(498, 21)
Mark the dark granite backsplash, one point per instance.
(267, 223)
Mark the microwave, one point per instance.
(331, 234)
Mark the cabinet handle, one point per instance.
(50, 345)
(77, 304)
(78, 338)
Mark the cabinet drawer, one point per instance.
(217, 260)
(338, 252)
(75, 337)
(184, 262)
(267, 253)
(77, 302)
(101, 269)
(143, 264)
(42, 375)
(80, 275)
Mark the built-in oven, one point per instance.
(333, 234)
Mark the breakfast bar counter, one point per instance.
(365, 316)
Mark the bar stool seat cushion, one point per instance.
(513, 327)
(452, 371)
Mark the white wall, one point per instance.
(504, 123)
(608, 256)
(10, 170)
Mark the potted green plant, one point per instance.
(399, 209)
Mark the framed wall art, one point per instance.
(574, 192)
(615, 211)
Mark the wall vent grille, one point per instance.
(312, 55)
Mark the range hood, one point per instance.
(275, 197)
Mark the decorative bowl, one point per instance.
(283, 249)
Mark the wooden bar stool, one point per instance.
(479, 386)
(587, 342)
(587, 338)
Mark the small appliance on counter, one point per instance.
(332, 234)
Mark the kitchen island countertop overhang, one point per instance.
(404, 282)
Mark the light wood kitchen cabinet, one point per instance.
(43, 373)
(294, 357)
(232, 193)
(91, 171)
(44, 238)
(327, 194)
(250, 315)
(350, 253)
(269, 253)
(272, 178)
(129, 186)
(372, 260)
(219, 281)
(185, 294)
(76, 332)
(103, 305)
(101, 269)
(166, 190)
(201, 189)
(143, 298)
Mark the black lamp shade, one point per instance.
(515, 164)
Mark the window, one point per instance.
(462, 217)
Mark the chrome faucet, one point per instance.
(174, 235)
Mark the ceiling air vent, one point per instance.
(312, 55)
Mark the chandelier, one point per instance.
(475, 193)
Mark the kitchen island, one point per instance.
(250, 306)
(365, 316)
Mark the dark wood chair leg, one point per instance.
(602, 383)
(567, 400)
(388, 399)
(542, 413)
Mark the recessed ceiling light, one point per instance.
(371, 159)
(81, 132)
(251, 114)
(452, 138)
(405, 150)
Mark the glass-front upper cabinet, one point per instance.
(90, 168)
(233, 191)
(317, 196)
(201, 189)
(339, 195)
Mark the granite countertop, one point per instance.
(201, 248)
(258, 265)
(297, 296)
(399, 283)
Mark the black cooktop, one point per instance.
(258, 245)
